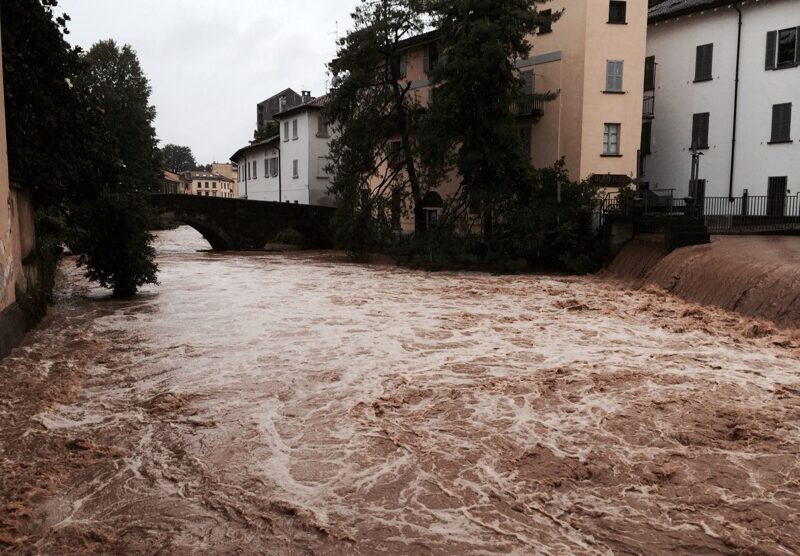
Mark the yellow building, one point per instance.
(593, 57)
(209, 184)
(230, 171)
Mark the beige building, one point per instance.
(209, 184)
(593, 57)
(230, 171)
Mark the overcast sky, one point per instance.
(211, 61)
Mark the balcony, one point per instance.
(649, 107)
(527, 106)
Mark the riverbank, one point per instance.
(755, 276)
(292, 403)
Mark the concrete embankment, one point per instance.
(757, 276)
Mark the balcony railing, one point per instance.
(527, 106)
(649, 107)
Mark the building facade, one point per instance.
(230, 171)
(723, 77)
(304, 145)
(208, 184)
(18, 274)
(259, 171)
(171, 184)
(292, 166)
(593, 58)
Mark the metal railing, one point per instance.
(528, 105)
(722, 215)
(649, 106)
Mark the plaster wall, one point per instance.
(10, 263)
(260, 188)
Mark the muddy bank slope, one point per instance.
(757, 276)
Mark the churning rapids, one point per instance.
(295, 403)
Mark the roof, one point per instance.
(424, 38)
(205, 176)
(171, 176)
(669, 9)
(282, 93)
(314, 104)
(274, 141)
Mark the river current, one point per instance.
(293, 403)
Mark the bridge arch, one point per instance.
(216, 238)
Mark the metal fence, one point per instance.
(722, 215)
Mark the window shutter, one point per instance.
(786, 121)
(403, 64)
(698, 64)
(609, 76)
(427, 60)
(772, 50)
(797, 46)
(708, 61)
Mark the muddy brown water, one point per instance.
(297, 404)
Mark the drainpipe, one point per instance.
(735, 102)
(246, 169)
(280, 176)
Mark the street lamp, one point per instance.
(696, 154)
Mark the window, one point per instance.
(397, 207)
(776, 196)
(528, 82)
(781, 123)
(214, 185)
(704, 62)
(322, 127)
(525, 135)
(396, 154)
(617, 11)
(207, 184)
(322, 167)
(431, 58)
(547, 23)
(255, 170)
(273, 167)
(611, 140)
(294, 129)
(787, 47)
(700, 130)
(286, 131)
(783, 48)
(295, 169)
(614, 76)
(647, 137)
(650, 73)
(266, 167)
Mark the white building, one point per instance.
(259, 171)
(291, 167)
(696, 49)
(304, 153)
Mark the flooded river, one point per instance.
(298, 404)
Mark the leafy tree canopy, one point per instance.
(178, 159)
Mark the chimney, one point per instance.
(281, 103)
(306, 96)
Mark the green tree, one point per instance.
(115, 85)
(81, 137)
(178, 159)
(470, 125)
(373, 109)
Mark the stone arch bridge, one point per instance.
(238, 225)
